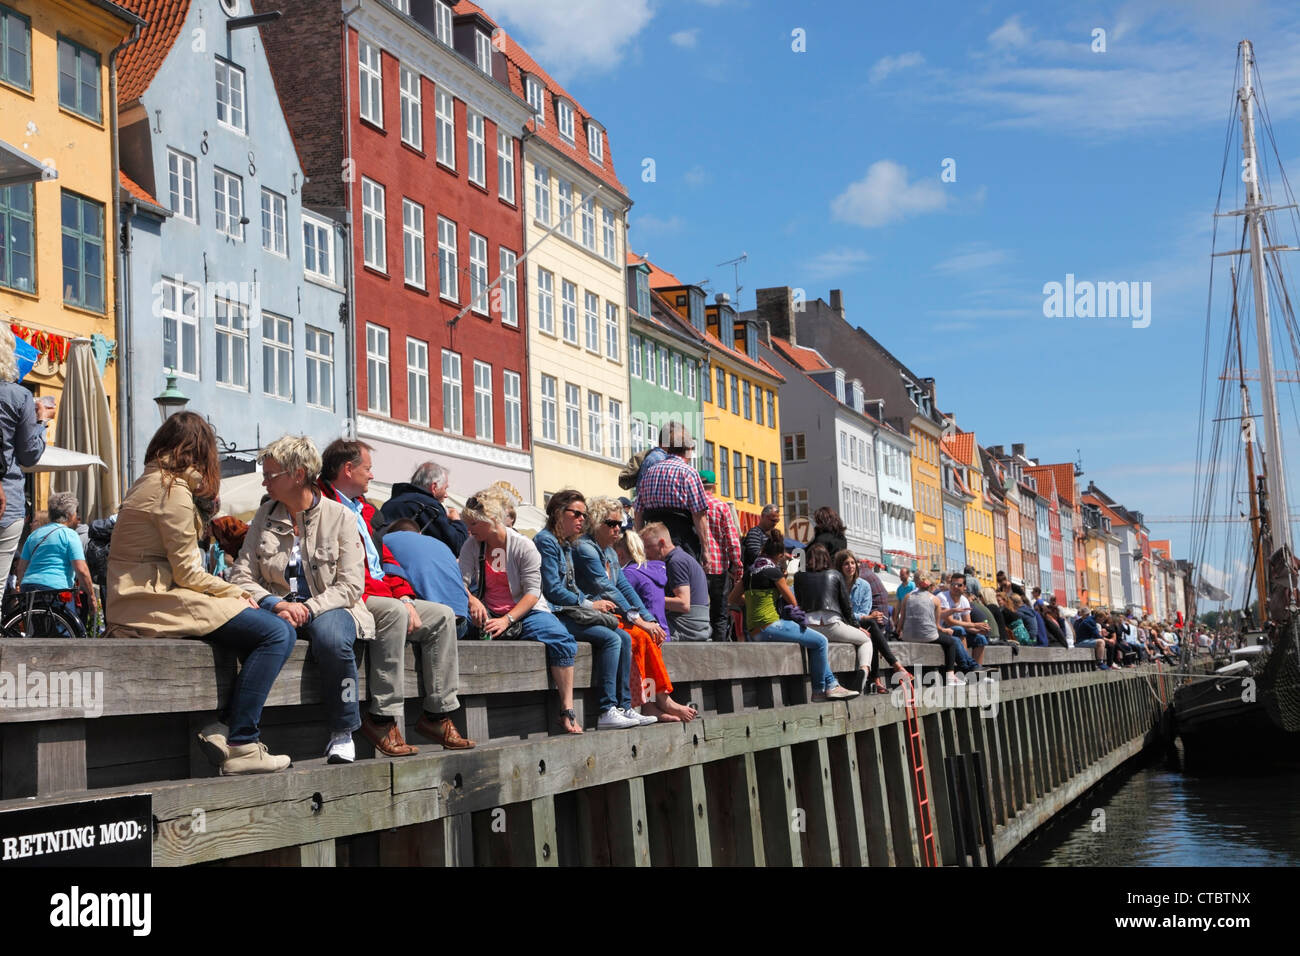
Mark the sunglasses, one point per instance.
(273, 475)
(576, 513)
(613, 523)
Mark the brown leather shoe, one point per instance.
(386, 738)
(443, 732)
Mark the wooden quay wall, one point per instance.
(763, 776)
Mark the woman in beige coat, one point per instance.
(302, 560)
(157, 586)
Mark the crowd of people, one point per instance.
(319, 563)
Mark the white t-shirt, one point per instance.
(963, 604)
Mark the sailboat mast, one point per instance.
(1274, 469)
(1247, 424)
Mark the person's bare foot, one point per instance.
(569, 722)
(675, 711)
(652, 709)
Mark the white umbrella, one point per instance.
(85, 425)
(61, 459)
(242, 494)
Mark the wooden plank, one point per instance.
(544, 838)
(699, 812)
(457, 840)
(44, 759)
(753, 809)
(814, 806)
(782, 845)
(420, 844)
(317, 854)
(846, 790)
(629, 833)
(937, 748)
(901, 796)
(476, 718)
(871, 772)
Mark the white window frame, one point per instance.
(542, 194)
(591, 321)
(448, 261)
(182, 319)
(535, 93)
(182, 185)
(651, 362)
(794, 447)
(318, 228)
(595, 423)
(445, 111)
(374, 237)
(595, 143)
(320, 366)
(442, 21)
(550, 408)
(588, 213)
(483, 51)
(564, 119)
(228, 193)
(417, 382)
(692, 372)
(506, 166)
(478, 273)
(677, 372)
(508, 287)
(377, 399)
(483, 425)
(569, 311)
(370, 82)
(634, 356)
(453, 419)
(275, 214)
(477, 147)
(663, 367)
(609, 235)
(231, 79)
(615, 429)
(545, 301)
(572, 415)
(564, 207)
(277, 355)
(613, 332)
(233, 339)
(413, 243)
(412, 120)
(510, 388)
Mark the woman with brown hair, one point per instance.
(868, 618)
(828, 531)
(157, 586)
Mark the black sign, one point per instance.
(114, 831)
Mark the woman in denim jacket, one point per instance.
(611, 649)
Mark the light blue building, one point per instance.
(1045, 546)
(227, 280)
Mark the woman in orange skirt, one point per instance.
(598, 573)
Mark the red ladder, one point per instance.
(918, 775)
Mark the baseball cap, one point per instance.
(708, 477)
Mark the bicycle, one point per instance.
(43, 614)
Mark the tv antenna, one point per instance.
(735, 264)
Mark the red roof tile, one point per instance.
(139, 63)
(519, 59)
(963, 447)
(810, 360)
(135, 189)
(659, 278)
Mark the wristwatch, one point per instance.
(510, 619)
(406, 599)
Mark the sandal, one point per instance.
(566, 718)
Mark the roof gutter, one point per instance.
(126, 415)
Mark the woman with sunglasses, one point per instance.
(611, 649)
(597, 571)
(503, 577)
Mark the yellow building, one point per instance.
(980, 548)
(740, 399)
(927, 492)
(57, 275)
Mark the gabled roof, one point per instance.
(963, 447)
(137, 191)
(139, 63)
(658, 278)
(518, 59)
(1065, 485)
(801, 357)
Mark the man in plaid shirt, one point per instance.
(722, 559)
(669, 491)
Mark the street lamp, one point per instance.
(171, 399)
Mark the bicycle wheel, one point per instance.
(43, 622)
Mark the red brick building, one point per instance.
(406, 123)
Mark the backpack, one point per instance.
(632, 470)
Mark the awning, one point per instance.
(60, 459)
(16, 167)
(892, 583)
(85, 425)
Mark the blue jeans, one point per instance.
(330, 639)
(611, 662)
(815, 644)
(262, 642)
(964, 661)
(546, 629)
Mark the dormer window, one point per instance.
(483, 51)
(839, 385)
(564, 110)
(442, 21)
(859, 396)
(533, 90)
(751, 340)
(595, 142)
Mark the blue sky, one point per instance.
(824, 166)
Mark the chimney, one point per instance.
(1018, 449)
(776, 308)
(997, 451)
(837, 302)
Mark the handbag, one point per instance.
(513, 632)
(579, 616)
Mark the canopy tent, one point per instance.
(85, 425)
(61, 459)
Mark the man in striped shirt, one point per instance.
(722, 559)
(670, 491)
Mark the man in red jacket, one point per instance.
(399, 617)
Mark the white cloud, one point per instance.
(892, 64)
(698, 176)
(686, 39)
(972, 259)
(654, 225)
(836, 262)
(550, 33)
(1011, 34)
(884, 195)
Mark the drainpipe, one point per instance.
(349, 264)
(125, 415)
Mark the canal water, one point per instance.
(1158, 816)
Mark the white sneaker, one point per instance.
(639, 717)
(955, 679)
(614, 719)
(341, 749)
